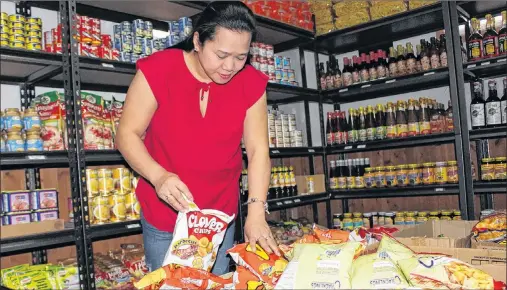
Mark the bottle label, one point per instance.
(475, 49)
(450, 123)
(365, 75)
(391, 179)
(391, 131)
(369, 181)
(494, 113)
(443, 59)
(347, 79)
(373, 73)
(402, 130)
(356, 78)
(413, 129)
(342, 182)
(503, 107)
(337, 81)
(333, 183)
(329, 82)
(330, 138)
(402, 67)
(489, 46)
(435, 61)
(359, 183)
(425, 63)
(502, 43)
(345, 137)
(362, 135)
(371, 133)
(478, 116)
(381, 71)
(338, 139)
(351, 182)
(425, 127)
(411, 66)
(323, 83)
(393, 69)
(381, 132)
(418, 66)
(352, 136)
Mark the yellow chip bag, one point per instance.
(320, 266)
(393, 249)
(376, 271)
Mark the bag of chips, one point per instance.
(288, 250)
(245, 279)
(320, 266)
(267, 267)
(181, 277)
(330, 236)
(492, 228)
(376, 271)
(197, 236)
(393, 249)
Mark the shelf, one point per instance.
(26, 244)
(489, 133)
(479, 9)
(409, 191)
(382, 32)
(296, 201)
(390, 86)
(486, 68)
(115, 230)
(13, 160)
(386, 144)
(490, 187)
(102, 157)
(293, 152)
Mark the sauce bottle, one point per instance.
(434, 53)
(449, 121)
(401, 120)
(418, 59)
(443, 51)
(425, 58)
(359, 173)
(391, 130)
(365, 68)
(424, 117)
(347, 72)
(362, 126)
(475, 41)
(342, 174)
(333, 180)
(464, 54)
(503, 102)
(356, 77)
(382, 70)
(337, 128)
(329, 129)
(477, 108)
(373, 66)
(411, 59)
(380, 122)
(371, 127)
(344, 128)
(401, 62)
(322, 74)
(393, 66)
(493, 107)
(502, 35)
(413, 122)
(337, 80)
(350, 169)
(490, 39)
(352, 134)
(329, 77)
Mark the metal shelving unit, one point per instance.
(407, 191)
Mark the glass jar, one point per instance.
(422, 214)
(369, 178)
(501, 168)
(488, 169)
(434, 216)
(390, 173)
(420, 167)
(402, 175)
(413, 175)
(421, 220)
(33, 141)
(381, 218)
(410, 218)
(357, 215)
(446, 215)
(441, 172)
(374, 218)
(399, 221)
(348, 224)
(31, 120)
(428, 173)
(15, 142)
(456, 215)
(380, 177)
(13, 120)
(389, 218)
(452, 172)
(367, 220)
(357, 222)
(337, 220)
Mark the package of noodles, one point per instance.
(376, 271)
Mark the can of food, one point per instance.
(12, 120)
(34, 20)
(33, 39)
(34, 34)
(126, 43)
(174, 27)
(100, 211)
(148, 47)
(254, 49)
(185, 25)
(106, 40)
(17, 38)
(135, 58)
(104, 52)
(133, 207)
(285, 75)
(5, 22)
(16, 18)
(4, 16)
(126, 27)
(291, 75)
(17, 25)
(16, 201)
(93, 51)
(148, 29)
(139, 45)
(105, 181)
(44, 215)
(34, 142)
(122, 181)
(118, 208)
(44, 199)
(171, 40)
(138, 28)
(5, 30)
(95, 33)
(4, 36)
(4, 42)
(271, 66)
(126, 56)
(33, 27)
(85, 29)
(84, 49)
(262, 49)
(16, 218)
(269, 51)
(92, 182)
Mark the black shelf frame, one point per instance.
(407, 191)
(487, 187)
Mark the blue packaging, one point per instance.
(286, 62)
(15, 145)
(291, 75)
(126, 27)
(126, 56)
(139, 45)
(11, 122)
(185, 24)
(31, 122)
(285, 83)
(278, 73)
(34, 145)
(285, 75)
(138, 28)
(16, 201)
(117, 30)
(172, 40)
(174, 27)
(135, 58)
(126, 43)
(148, 48)
(148, 29)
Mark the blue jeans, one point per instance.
(156, 244)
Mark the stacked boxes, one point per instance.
(133, 40)
(17, 31)
(278, 68)
(21, 207)
(283, 132)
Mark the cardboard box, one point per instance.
(32, 228)
(319, 181)
(471, 256)
(443, 234)
(496, 271)
(488, 246)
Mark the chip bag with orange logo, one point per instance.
(267, 267)
(245, 279)
(197, 236)
(330, 236)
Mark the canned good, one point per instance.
(4, 42)
(441, 172)
(106, 40)
(17, 25)
(18, 32)
(33, 39)
(115, 54)
(5, 29)
(270, 52)
(135, 58)
(104, 52)
(34, 20)
(16, 201)
(92, 182)
(17, 37)
(12, 120)
(174, 27)
(139, 45)
(126, 27)
(402, 175)
(291, 75)
(37, 34)
(138, 28)
(286, 62)
(488, 169)
(100, 212)
(93, 51)
(285, 75)
(148, 29)
(4, 36)
(16, 218)
(117, 206)
(34, 142)
(501, 168)
(44, 215)
(16, 18)
(33, 27)
(133, 206)
(17, 44)
(262, 50)
(122, 181)
(44, 199)
(4, 16)
(105, 181)
(185, 25)
(126, 56)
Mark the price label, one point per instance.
(275, 152)
(365, 86)
(440, 189)
(108, 65)
(288, 202)
(311, 150)
(486, 63)
(471, 65)
(429, 73)
(502, 60)
(279, 203)
(343, 90)
(390, 81)
(297, 200)
(133, 226)
(347, 147)
(36, 157)
(361, 146)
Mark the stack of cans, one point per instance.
(53, 40)
(133, 40)
(178, 31)
(276, 67)
(283, 132)
(17, 31)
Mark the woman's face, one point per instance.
(224, 55)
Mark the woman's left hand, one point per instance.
(258, 231)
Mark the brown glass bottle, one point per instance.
(329, 76)
(344, 128)
(503, 102)
(411, 61)
(380, 121)
(352, 133)
(449, 121)
(490, 38)
(337, 128)
(322, 74)
(418, 66)
(371, 127)
(365, 69)
(393, 66)
(401, 62)
(333, 180)
(425, 58)
(391, 130)
(401, 119)
(475, 42)
(435, 120)
(356, 70)
(424, 117)
(337, 80)
(502, 35)
(434, 54)
(329, 129)
(347, 72)
(413, 122)
(362, 132)
(493, 107)
(477, 108)
(342, 174)
(382, 70)
(443, 51)
(373, 66)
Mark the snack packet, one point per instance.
(492, 228)
(393, 249)
(245, 279)
(181, 277)
(288, 250)
(320, 266)
(267, 267)
(330, 236)
(376, 271)
(197, 236)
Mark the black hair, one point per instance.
(233, 15)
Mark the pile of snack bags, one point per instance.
(319, 259)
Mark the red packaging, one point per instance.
(57, 34)
(104, 52)
(48, 41)
(85, 29)
(106, 40)
(263, 65)
(254, 48)
(115, 54)
(57, 48)
(94, 25)
(262, 49)
(94, 51)
(84, 49)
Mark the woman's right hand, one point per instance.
(170, 189)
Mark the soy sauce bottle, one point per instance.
(362, 125)
(371, 127)
(391, 130)
(329, 129)
(356, 70)
(373, 66)
(401, 61)
(337, 80)
(434, 54)
(365, 68)
(443, 51)
(490, 39)
(425, 58)
(401, 120)
(393, 66)
(382, 70)
(411, 59)
(347, 72)
(424, 117)
(418, 59)
(380, 121)
(322, 74)
(477, 108)
(493, 106)
(352, 132)
(329, 76)
(475, 41)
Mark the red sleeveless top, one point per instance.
(204, 151)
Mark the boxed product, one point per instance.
(451, 234)
(91, 112)
(51, 109)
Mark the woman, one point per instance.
(195, 101)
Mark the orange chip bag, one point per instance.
(330, 236)
(244, 279)
(197, 236)
(268, 267)
(181, 277)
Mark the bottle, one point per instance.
(330, 129)
(443, 51)
(359, 174)
(503, 101)
(337, 128)
(322, 74)
(434, 54)
(282, 188)
(449, 121)
(411, 59)
(425, 58)
(391, 130)
(347, 72)
(373, 66)
(401, 120)
(337, 81)
(493, 107)
(362, 132)
(490, 39)
(333, 179)
(418, 60)
(329, 77)
(351, 180)
(380, 122)
(502, 35)
(344, 127)
(294, 184)
(366, 162)
(382, 70)
(371, 127)
(275, 186)
(424, 117)
(365, 68)
(475, 41)
(352, 134)
(393, 66)
(342, 174)
(477, 108)
(442, 119)
(356, 70)
(435, 120)
(401, 62)
(413, 122)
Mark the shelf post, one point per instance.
(23, 8)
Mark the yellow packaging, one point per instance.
(390, 174)
(452, 172)
(122, 180)
(384, 8)
(33, 33)
(4, 29)
(132, 206)
(414, 176)
(414, 4)
(118, 208)
(34, 20)
(33, 27)
(501, 168)
(33, 46)
(4, 36)
(4, 16)
(402, 175)
(487, 169)
(16, 18)
(441, 172)
(100, 210)
(17, 38)
(428, 173)
(17, 25)
(92, 182)
(17, 44)
(105, 180)
(4, 42)
(376, 271)
(380, 177)
(351, 13)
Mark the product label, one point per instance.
(393, 69)
(475, 49)
(342, 182)
(381, 72)
(333, 183)
(502, 43)
(494, 113)
(337, 80)
(413, 178)
(402, 130)
(435, 61)
(351, 182)
(381, 132)
(365, 75)
(353, 136)
(356, 78)
(425, 63)
(329, 82)
(413, 129)
(391, 131)
(402, 67)
(347, 79)
(490, 46)
(338, 138)
(443, 59)
(425, 127)
(371, 133)
(369, 181)
(503, 106)
(391, 180)
(373, 74)
(323, 83)
(363, 135)
(330, 138)
(411, 66)
(359, 182)
(478, 116)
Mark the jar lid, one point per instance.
(382, 213)
(441, 163)
(367, 214)
(336, 215)
(456, 212)
(488, 159)
(368, 169)
(390, 214)
(434, 212)
(11, 110)
(357, 214)
(380, 168)
(347, 214)
(453, 162)
(501, 159)
(428, 164)
(410, 214)
(413, 165)
(374, 213)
